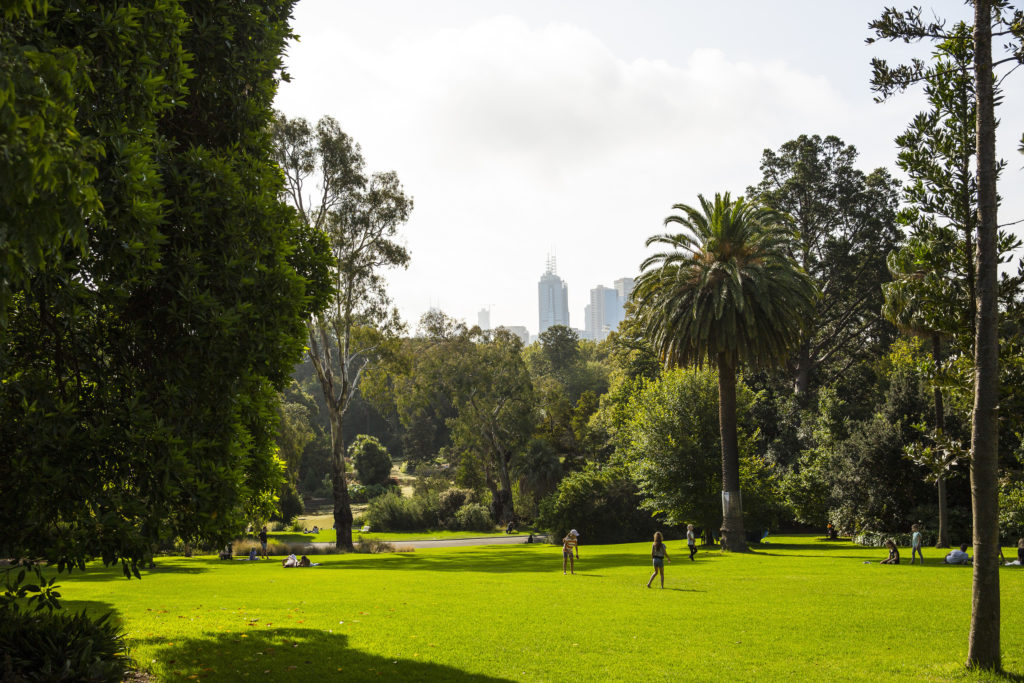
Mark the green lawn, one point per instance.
(796, 610)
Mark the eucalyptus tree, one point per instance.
(357, 218)
(726, 292)
(991, 18)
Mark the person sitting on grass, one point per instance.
(1020, 550)
(958, 556)
(252, 554)
(894, 553)
(304, 562)
(290, 561)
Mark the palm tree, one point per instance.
(727, 292)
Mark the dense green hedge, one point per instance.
(57, 646)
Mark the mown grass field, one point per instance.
(797, 609)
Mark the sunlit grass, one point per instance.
(798, 609)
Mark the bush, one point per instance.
(602, 503)
(473, 517)
(290, 504)
(57, 646)
(371, 460)
(359, 493)
(392, 512)
(450, 501)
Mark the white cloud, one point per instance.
(516, 139)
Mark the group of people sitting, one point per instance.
(955, 556)
(292, 561)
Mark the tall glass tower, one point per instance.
(552, 298)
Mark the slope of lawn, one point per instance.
(797, 609)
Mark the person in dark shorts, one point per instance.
(691, 541)
(569, 544)
(659, 555)
(263, 542)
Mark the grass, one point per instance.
(798, 609)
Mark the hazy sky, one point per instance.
(534, 127)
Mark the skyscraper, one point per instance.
(552, 298)
(483, 319)
(607, 308)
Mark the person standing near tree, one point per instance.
(691, 541)
(659, 554)
(915, 544)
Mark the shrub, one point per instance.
(392, 512)
(473, 517)
(359, 493)
(371, 460)
(450, 501)
(290, 504)
(57, 646)
(602, 503)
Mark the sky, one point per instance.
(536, 127)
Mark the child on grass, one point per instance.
(915, 544)
(659, 553)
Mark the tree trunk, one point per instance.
(503, 499)
(732, 504)
(940, 428)
(342, 503)
(983, 639)
(802, 379)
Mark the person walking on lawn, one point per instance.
(915, 544)
(691, 541)
(263, 542)
(659, 555)
(570, 544)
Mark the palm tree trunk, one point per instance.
(983, 639)
(940, 427)
(732, 503)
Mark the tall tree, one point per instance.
(360, 217)
(725, 292)
(983, 638)
(846, 224)
(159, 308)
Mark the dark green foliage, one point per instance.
(364, 494)
(371, 460)
(602, 503)
(290, 504)
(450, 500)
(57, 646)
(845, 222)
(140, 374)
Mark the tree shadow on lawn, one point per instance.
(292, 652)
(494, 559)
(115, 573)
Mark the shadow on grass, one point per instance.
(311, 654)
(498, 560)
(294, 653)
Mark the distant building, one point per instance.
(606, 308)
(483, 318)
(552, 299)
(519, 331)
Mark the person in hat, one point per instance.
(570, 544)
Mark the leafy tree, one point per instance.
(371, 460)
(846, 224)
(725, 292)
(983, 638)
(601, 502)
(156, 298)
(360, 217)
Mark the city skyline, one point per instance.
(573, 127)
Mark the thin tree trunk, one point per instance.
(342, 502)
(940, 428)
(732, 504)
(983, 639)
(802, 379)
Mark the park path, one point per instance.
(455, 542)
